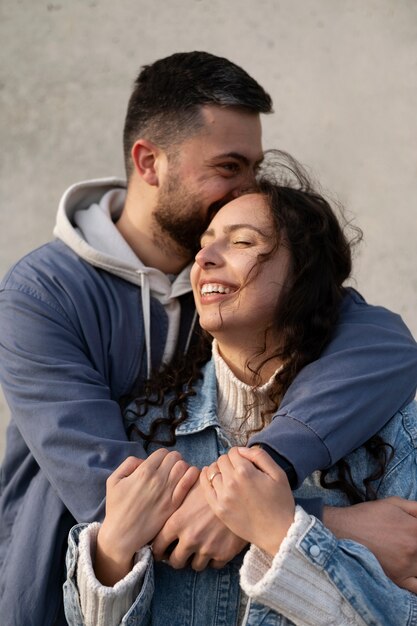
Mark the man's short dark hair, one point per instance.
(165, 104)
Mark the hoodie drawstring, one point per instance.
(146, 311)
(190, 332)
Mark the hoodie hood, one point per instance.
(86, 223)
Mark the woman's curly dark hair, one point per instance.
(306, 316)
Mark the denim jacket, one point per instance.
(211, 597)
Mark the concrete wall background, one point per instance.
(342, 74)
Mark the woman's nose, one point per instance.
(208, 257)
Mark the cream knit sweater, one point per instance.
(239, 406)
(288, 583)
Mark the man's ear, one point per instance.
(144, 156)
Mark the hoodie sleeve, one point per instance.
(364, 376)
(65, 360)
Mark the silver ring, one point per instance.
(212, 476)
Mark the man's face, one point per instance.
(210, 169)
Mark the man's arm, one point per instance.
(386, 527)
(364, 376)
(57, 387)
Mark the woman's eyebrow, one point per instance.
(207, 233)
(232, 228)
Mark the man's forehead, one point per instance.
(231, 132)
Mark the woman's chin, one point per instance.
(211, 325)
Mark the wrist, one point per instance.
(112, 561)
(271, 543)
(339, 521)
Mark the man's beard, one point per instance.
(180, 214)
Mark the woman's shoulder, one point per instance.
(399, 437)
(400, 477)
(403, 426)
(203, 401)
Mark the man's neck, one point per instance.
(137, 227)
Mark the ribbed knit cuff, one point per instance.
(106, 606)
(293, 586)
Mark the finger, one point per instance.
(409, 506)
(162, 541)
(262, 461)
(177, 471)
(226, 467)
(208, 490)
(213, 473)
(212, 469)
(186, 482)
(162, 458)
(199, 562)
(408, 583)
(172, 468)
(180, 557)
(215, 564)
(125, 469)
(238, 460)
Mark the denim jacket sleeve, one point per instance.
(139, 612)
(353, 570)
(368, 368)
(317, 579)
(359, 578)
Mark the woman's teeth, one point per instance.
(214, 288)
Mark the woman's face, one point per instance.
(236, 292)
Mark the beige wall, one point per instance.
(342, 73)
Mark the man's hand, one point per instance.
(200, 538)
(388, 528)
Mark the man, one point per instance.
(84, 319)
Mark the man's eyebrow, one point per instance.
(239, 157)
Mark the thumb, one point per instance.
(263, 462)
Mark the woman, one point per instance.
(268, 288)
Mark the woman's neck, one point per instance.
(252, 365)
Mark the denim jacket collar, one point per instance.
(202, 407)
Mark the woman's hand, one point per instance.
(140, 497)
(250, 493)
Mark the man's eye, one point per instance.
(230, 167)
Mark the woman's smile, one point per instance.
(240, 271)
(208, 290)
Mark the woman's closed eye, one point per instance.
(242, 242)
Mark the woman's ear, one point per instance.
(144, 156)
